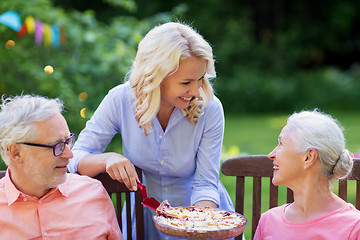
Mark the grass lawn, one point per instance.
(257, 134)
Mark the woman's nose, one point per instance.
(195, 89)
(272, 154)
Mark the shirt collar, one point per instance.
(176, 116)
(62, 188)
(12, 193)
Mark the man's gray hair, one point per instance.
(17, 116)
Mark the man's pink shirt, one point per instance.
(80, 208)
(343, 223)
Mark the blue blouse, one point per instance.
(180, 165)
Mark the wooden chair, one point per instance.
(260, 166)
(116, 190)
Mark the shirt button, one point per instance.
(160, 136)
(166, 189)
(166, 238)
(45, 234)
(25, 199)
(162, 161)
(40, 201)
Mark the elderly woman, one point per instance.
(310, 154)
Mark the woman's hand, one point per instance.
(120, 168)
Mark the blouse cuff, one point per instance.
(74, 162)
(205, 195)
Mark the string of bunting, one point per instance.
(49, 35)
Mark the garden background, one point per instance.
(273, 57)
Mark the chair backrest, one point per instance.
(116, 189)
(260, 166)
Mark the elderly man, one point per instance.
(38, 198)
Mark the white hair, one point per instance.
(313, 129)
(158, 56)
(17, 116)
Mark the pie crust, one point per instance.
(196, 222)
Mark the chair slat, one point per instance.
(239, 196)
(289, 195)
(274, 191)
(357, 194)
(343, 189)
(118, 210)
(128, 215)
(139, 214)
(256, 203)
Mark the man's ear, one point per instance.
(311, 157)
(14, 152)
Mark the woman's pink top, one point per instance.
(343, 223)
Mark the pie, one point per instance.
(196, 222)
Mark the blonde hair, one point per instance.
(159, 55)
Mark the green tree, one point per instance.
(277, 55)
(94, 58)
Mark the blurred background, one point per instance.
(273, 57)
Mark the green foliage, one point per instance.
(129, 5)
(278, 55)
(328, 88)
(94, 58)
(271, 56)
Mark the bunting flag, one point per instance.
(11, 19)
(30, 24)
(62, 35)
(22, 31)
(46, 34)
(55, 40)
(38, 32)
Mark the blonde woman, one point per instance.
(310, 154)
(170, 122)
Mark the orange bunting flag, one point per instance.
(62, 35)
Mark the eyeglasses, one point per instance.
(58, 148)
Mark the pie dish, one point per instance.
(196, 222)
